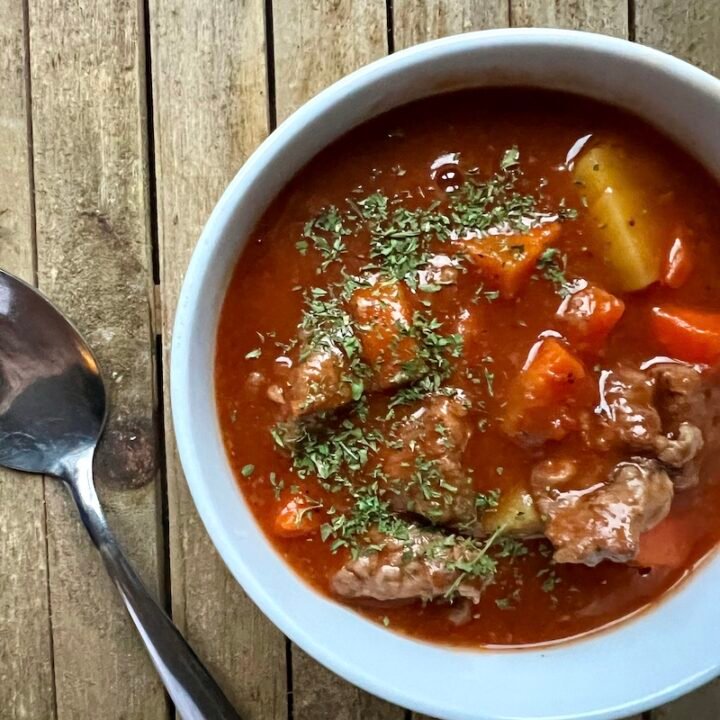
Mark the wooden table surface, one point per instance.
(120, 124)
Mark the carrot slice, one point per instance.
(542, 395)
(506, 262)
(679, 263)
(688, 334)
(668, 544)
(589, 316)
(383, 313)
(297, 518)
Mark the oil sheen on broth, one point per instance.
(466, 368)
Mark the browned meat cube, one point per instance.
(664, 411)
(383, 315)
(418, 568)
(318, 383)
(601, 523)
(627, 414)
(423, 463)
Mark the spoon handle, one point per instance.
(195, 694)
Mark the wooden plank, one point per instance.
(344, 35)
(604, 16)
(93, 241)
(416, 21)
(703, 704)
(319, 42)
(321, 695)
(26, 675)
(689, 30)
(210, 102)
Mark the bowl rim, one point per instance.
(182, 339)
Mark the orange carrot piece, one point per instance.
(668, 544)
(589, 316)
(679, 263)
(506, 262)
(297, 518)
(383, 313)
(687, 334)
(542, 395)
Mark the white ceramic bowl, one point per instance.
(635, 665)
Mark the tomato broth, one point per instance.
(483, 332)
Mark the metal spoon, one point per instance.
(52, 412)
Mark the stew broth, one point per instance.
(422, 153)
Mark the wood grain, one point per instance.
(320, 41)
(210, 102)
(321, 695)
(316, 43)
(93, 245)
(604, 16)
(703, 704)
(689, 30)
(26, 675)
(416, 21)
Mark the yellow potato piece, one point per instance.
(627, 226)
(516, 511)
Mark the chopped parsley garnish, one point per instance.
(551, 580)
(487, 500)
(552, 264)
(247, 470)
(327, 233)
(405, 239)
(277, 485)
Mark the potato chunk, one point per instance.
(627, 226)
(516, 514)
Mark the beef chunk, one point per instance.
(420, 567)
(663, 412)
(679, 393)
(683, 447)
(689, 404)
(627, 414)
(602, 521)
(318, 383)
(423, 463)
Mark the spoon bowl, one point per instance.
(53, 408)
(52, 398)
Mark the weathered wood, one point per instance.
(94, 249)
(689, 30)
(26, 675)
(322, 695)
(319, 42)
(342, 35)
(604, 16)
(210, 101)
(416, 21)
(703, 704)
